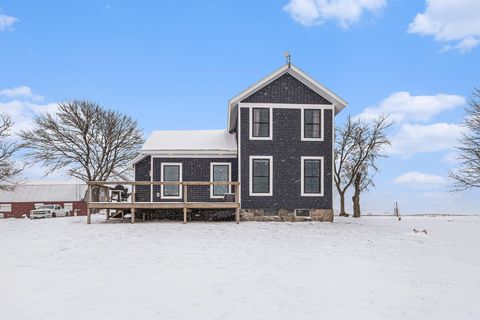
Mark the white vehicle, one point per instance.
(48, 211)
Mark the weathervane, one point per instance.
(288, 58)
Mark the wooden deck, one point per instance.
(132, 205)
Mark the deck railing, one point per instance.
(107, 201)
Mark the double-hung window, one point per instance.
(261, 175)
(171, 172)
(220, 171)
(260, 123)
(312, 124)
(312, 176)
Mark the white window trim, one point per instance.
(179, 179)
(322, 122)
(296, 210)
(212, 164)
(6, 207)
(270, 124)
(250, 176)
(322, 174)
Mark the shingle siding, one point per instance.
(286, 89)
(287, 150)
(142, 173)
(193, 169)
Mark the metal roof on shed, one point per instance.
(45, 193)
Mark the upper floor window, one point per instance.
(312, 176)
(312, 124)
(261, 175)
(220, 171)
(260, 123)
(171, 172)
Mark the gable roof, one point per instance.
(192, 141)
(45, 192)
(313, 84)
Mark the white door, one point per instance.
(68, 207)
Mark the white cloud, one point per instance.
(417, 138)
(20, 92)
(6, 22)
(451, 158)
(346, 12)
(417, 179)
(402, 106)
(22, 104)
(455, 23)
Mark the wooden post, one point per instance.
(185, 194)
(89, 218)
(185, 200)
(108, 214)
(237, 201)
(132, 215)
(143, 216)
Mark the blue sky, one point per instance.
(174, 65)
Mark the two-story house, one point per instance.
(278, 144)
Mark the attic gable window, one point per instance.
(312, 126)
(260, 123)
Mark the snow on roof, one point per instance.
(196, 140)
(45, 192)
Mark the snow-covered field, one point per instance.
(370, 268)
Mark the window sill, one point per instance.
(260, 138)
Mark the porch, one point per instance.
(122, 196)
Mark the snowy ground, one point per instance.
(371, 268)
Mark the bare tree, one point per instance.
(8, 169)
(88, 141)
(345, 138)
(467, 175)
(363, 182)
(358, 145)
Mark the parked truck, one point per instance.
(49, 211)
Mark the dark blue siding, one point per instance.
(286, 89)
(193, 169)
(287, 150)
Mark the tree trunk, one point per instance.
(342, 204)
(356, 196)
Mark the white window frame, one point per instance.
(6, 207)
(296, 210)
(322, 122)
(180, 179)
(212, 164)
(322, 174)
(250, 176)
(270, 123)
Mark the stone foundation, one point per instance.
(285, 215)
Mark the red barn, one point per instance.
(27, 196)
